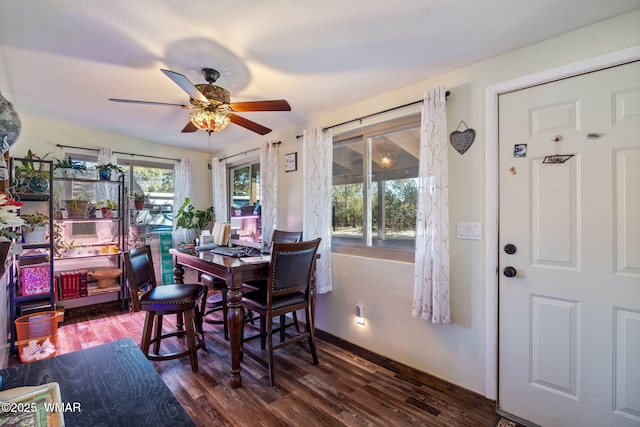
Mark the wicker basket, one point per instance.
(106, 278)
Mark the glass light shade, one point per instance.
(210, 121)
(387, 160)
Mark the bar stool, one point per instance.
(279, 236)
(216, 302)
(288, 289)
(158, 301)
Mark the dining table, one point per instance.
(234, 271)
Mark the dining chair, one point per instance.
(252, 285)
(218, 301)
(186, 301)
(288, 289)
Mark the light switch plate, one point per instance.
(469, 230)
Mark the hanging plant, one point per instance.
(105, 170)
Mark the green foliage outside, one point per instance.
(153, 180)
(401, 202)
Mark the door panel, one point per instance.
(569, 331)
(627, 222)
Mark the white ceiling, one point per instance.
(63, 59)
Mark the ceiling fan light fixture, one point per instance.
(210, 121)
(387, 160)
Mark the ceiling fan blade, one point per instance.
(248, 124)
(186, 85)
(275, 105)
(131, 101)
(190, 127)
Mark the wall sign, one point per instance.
(461, 141)
(291, 162)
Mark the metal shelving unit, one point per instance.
(94, 248)
(27, 253)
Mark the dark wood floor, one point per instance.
(344, 389)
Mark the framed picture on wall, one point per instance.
(291, 162)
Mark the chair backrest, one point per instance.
(292, 266)
(140, 274)
(286, 236)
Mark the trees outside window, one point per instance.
(155, 180)
(375, 186)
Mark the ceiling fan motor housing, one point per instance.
(215, 94)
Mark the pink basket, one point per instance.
(36, 279)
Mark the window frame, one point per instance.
(365, 134)
(129, 163)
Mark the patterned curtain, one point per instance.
(431, 287)
(107, 191)
(219, 185)
(106, 230)
(316, 205)
(183, 188)
(269, 190)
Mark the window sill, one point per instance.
(392, 254)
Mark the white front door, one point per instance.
(569, 318)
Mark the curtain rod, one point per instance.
(360, 119)
(118, 152)
(245, 152)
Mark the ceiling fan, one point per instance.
(214, 109)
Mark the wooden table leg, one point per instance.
(178, 277)
(235, 318)
(178, 273)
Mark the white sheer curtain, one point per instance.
(106, 230)
(107, 191)
(183, 188)
(317, 154)
(219, 186)
(431, 287)
(269, 189)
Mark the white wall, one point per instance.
(455, 352)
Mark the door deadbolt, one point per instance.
(509, 271)
(510, 248)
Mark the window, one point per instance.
(156, 182)
(375, 188)
(245, 201)
(153, 179)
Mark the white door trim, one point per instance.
(491, 185)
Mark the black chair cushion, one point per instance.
(258, 300)
(213, 282)
(168, 295)
(260, 284)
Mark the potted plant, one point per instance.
(107, 207)
(31, 174)
(67, 168)
(105, 170)
(76, 208)
(138, 200)
(35, 228)
(190, 221)
(60, 247)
